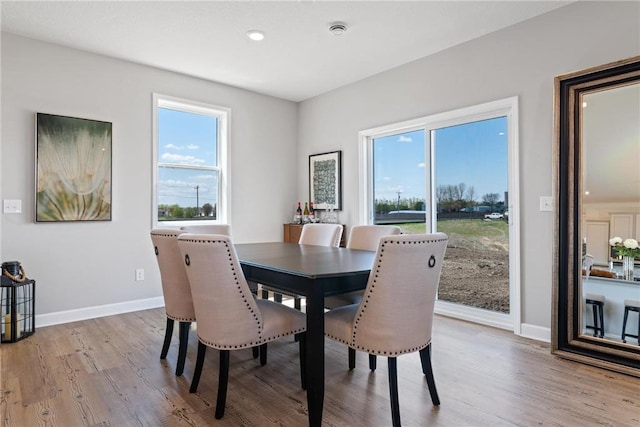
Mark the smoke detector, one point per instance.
(338, 28)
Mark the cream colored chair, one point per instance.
(224, 229)
(395, 316)
(317, 235)
(175, 290)
(363, 238)
(208, 229)
(229, 318)
(321, 234)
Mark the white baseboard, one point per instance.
(59, 317)
(536, 333)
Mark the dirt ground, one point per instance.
(479, 278)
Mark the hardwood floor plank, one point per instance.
(107, 372)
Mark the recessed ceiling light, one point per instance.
(255, 35)
(338, 28)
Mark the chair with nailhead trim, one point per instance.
(229, 317)
(215, 229)
(363, 238)
(395, 315)
(175, 290)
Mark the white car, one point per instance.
(494, 215)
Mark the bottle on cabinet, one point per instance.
(297, 218)
(312, 213)
(305, 213)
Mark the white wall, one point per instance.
(518, 61)
(79, 265)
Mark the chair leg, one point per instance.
(601, 313)
(372, 362)
(302, 338)
(624, 324)
(393, 391)
(595, 320)
(265, 294)
(297, 303)
(277, 297)
(202, 350)
(256, 351)
(183, 334)
(263, 354)
(167, 339)
(223, 379)
(352, 358)
(427, 370)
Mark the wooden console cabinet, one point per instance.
(292, 232)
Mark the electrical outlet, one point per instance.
(139, 274)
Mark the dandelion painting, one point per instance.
(73, 169)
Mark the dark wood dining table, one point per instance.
(314, 272)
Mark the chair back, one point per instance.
(175, 284)
(396, 312)
(228, 316)
(321, 234)
(224, 229)
(367, 237)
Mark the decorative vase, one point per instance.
(627, 267)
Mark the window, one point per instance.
(190, 162)
(454, 172)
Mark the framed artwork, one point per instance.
(73, 169)
(325, 180)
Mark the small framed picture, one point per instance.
(325, 180)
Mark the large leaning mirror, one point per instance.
(597, 198)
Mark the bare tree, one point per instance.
(491, 199)
(471, 195)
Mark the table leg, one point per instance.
(315, 355)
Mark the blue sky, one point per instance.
(186, 139)
(474, 154)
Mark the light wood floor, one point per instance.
(107, 372)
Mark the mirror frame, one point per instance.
(566, 338)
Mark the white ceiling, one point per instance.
(299, 58)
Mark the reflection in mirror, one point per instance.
(610, 208)
(597, 196)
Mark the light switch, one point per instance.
(12, 206)
(546, 203)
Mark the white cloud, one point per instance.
(403, 138)
(192, 147)
(183, 160)
(173, 146)
(421, 165)
(386, 178)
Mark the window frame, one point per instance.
(500, 108)
(223, 115)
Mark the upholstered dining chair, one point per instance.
(318, 235)
(364, 238)
(208, 229)
(321, 234)
(175, 290)
(215, 229)
(395, 316)
(229, 318)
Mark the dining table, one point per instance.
(314, 272)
